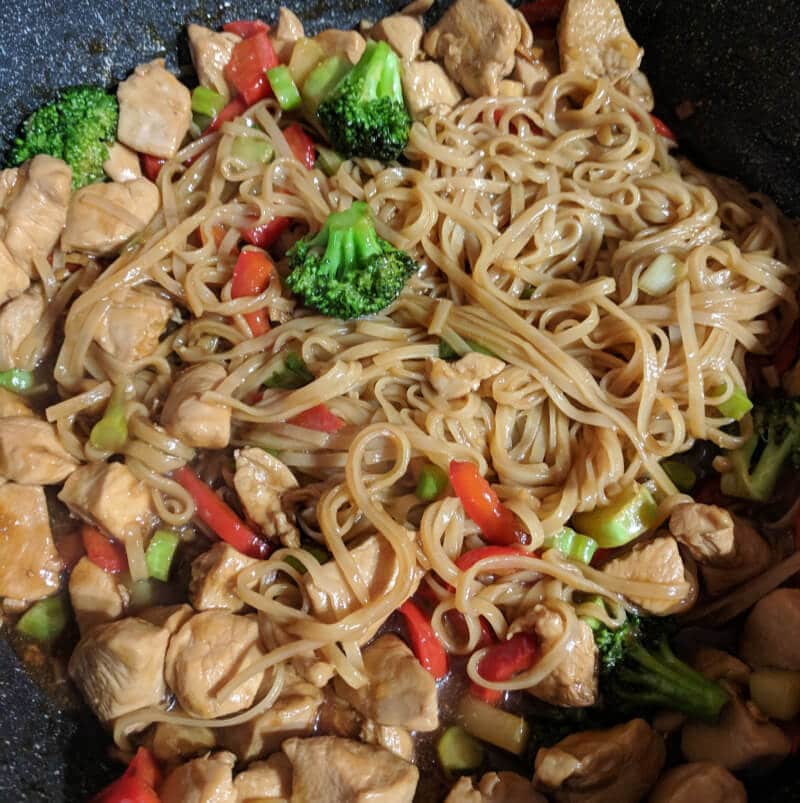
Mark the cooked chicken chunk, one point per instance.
(29, 564)
(592, 38)
(203, 780)
(171, 617)
(211, 51)
(396, 740)
(214, 574)
(718, 665)
(533, 74)
(618, 765)
(771, 633)
(155, 110)
(261, 480)
(751, 556)
(335, 42)
(122, 163)
(400, 691)
(18, 318)
(453, 379)
(11, 404)
(208, 651)
(426, 86)
(132, 324)
(742, 739)
(103, 217)
(402, 32)
(701, 781)
(31, 453)
(284, 35)
(95, 595)
(270, 780)
(13, 279)
(119, 667)
(705, 530)
(197, 423)
(574, 681)
(657, 561)
(343, 771)
(171, 743)
(476, 41)
(37, 211)
(495, 787)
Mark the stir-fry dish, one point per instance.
(396, 415)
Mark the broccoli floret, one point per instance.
(365, 114)
(638, 670)
(346, 270)
(76, 127)
(754, 468)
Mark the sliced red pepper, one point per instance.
(426, 646)
(786, 354)
(151, 165)
(246, 71)
(542, 11)
(319, 418)
(108, 555)
(504, 660)
(497, 523)
(301, 144)
(457, 621)
(144, 767)
(662, 129)
(218, 233)
(267, 234)
(214, 513)
(70, 548)
(235, 108)
(251, 276)
(127, 790)
(246, 28)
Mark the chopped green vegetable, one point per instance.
(447, 352)
(633, 512)
(284, 87)
(572, 545)
(682, 475)
(160, 553)
(16, 380)
(321, 80)
(306, 54)
(328, 160)
(661, 275)
(207, 102)
(201, 121)
(458, 751)
(320, 553)
(737, 405)
(252, 150)
(493, 725)
(110, 433)
(293, 375)
(45, 619)
(432, 481)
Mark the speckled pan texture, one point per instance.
(736, 61)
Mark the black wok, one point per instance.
(738, 63)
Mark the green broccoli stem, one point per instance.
(379, 70)
(349, 238)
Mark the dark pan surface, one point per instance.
(738, 62)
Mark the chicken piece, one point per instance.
(718, 665)
(31, 453)
(213, 583)
(592, 38)
(701, 781)
(284, 35)
(454, 379)
(396, 740)
(427, 86)
(132, 324)
(122, 163)
(771, 633)
(308, 665)
(402, 32)
(37, 211)
(656, 561)
(12, 405)
(29, 564)
(533, 74)
(119, 667)
(185, 416)
(637, 87)
(265, 780)
(617, 765)
(705, 530)
(211, 51)
(495, 787)
(343, 771)
(260, 481)
(203, 780)
(171, 743)
(95, 595)
(171, 617)
(13, 279)
(742, 739)
(109, 496)
(294, 713)
(210, 649)
(18, 318)
(750, 557)
(574, 681)
(347, 43)
(10, 179)
(103, 217)
(399, 692)
(155, 111)
(476, 41)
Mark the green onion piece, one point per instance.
(160, 553)
(328, 160)
(527, 293)
(110, 433)
(293, 375)
(45, 619)
(320, 553)
(661, 275)
(16, 380)
(207, 102)
(432, 481)
(321, 80)
(682, 475)
(493, 725)
(737, 405)
(447, 352)
(201, 121)
(572, 545)
(458, 751)
(630, 514)
(284, 87)
(252, 150)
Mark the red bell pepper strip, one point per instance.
(542, 11)
(108, 555)
(143, 766)
(469, 559)
(497, 523)
(504, 660)
(236, 108)
(127, 790)
(301, 144)
(319, 418)
(662, 129)
(426, 646)
(151, 165)
(267, 234)
(246, 71)
(246, 28)
(214, 513)
(251, 276)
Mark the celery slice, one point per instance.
(458, 751)
(629, 515)
(45, 619)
